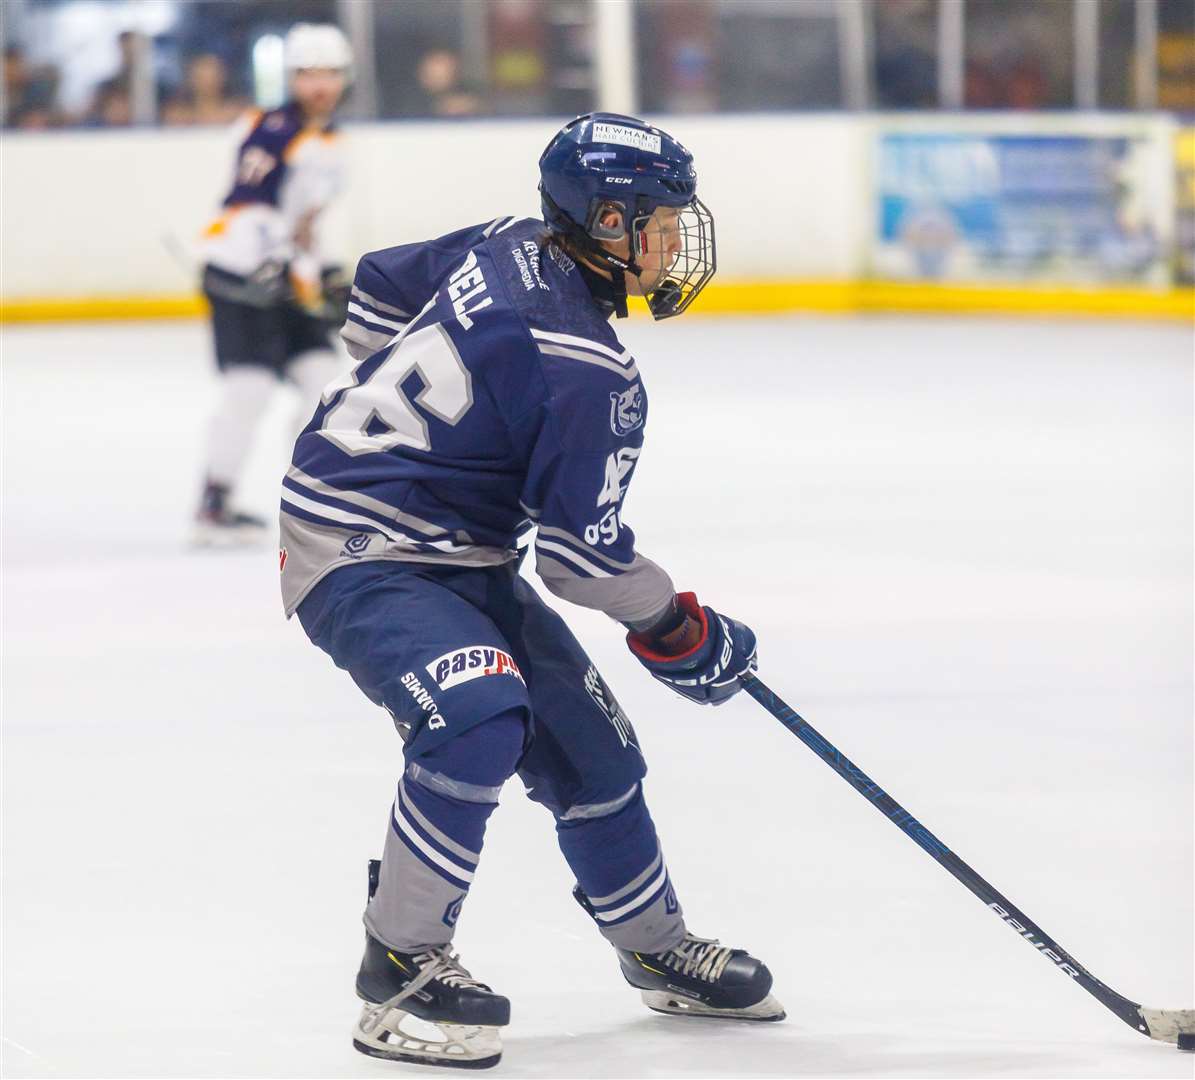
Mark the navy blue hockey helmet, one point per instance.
(605, 160)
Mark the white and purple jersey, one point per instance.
(490, 395)
(286, 173)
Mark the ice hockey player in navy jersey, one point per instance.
(491, 397)
(272, 301)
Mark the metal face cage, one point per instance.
(691, 268)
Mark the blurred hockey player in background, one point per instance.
(491, 396)
(273, 303)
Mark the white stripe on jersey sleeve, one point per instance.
(373, 302)
(586, 550)
(561, 553)
(492, 227)
(368, 316)
(629, 373)
(622, 356)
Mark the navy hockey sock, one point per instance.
(437, 826)
(621, 877)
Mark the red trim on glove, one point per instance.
(644, 646)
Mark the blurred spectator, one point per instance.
(16, 82)
(678, 54)
(123, 79)
(112, 103)
(439, 76)
(112, 106)
(30, 93)
(1019, 55)
(1176, 72)
(204, 98)
(905, 54)
(1017, 81)
(517, 32)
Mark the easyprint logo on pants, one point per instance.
(472, 662)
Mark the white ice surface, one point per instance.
(966, 547)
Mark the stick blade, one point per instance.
(1168, 1024)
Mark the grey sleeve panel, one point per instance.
(361, 342)
(637, 597)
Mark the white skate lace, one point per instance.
(699, 958)
(442, 964)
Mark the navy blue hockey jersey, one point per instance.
(490, 395)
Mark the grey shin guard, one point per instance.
(425, 874)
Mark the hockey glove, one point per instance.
(268, 286)
(336, 288)
(709, 671)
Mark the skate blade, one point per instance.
(399, 1036)
(769, 1009)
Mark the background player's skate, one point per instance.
(219, 524)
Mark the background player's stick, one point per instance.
(1167, 1025)
(181, 254)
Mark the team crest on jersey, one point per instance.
(598, 690)
(354, 546)
(472, 662)
(626, 410)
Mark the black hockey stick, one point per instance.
(1167, 1025)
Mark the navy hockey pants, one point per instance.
(483, 680)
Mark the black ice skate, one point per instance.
(219, 525)
(703, 978)
(424, 1007)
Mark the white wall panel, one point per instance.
(86, 212)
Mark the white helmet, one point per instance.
(312, 45)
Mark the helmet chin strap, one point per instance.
(661, 300)
(616, 286)
(610, 291)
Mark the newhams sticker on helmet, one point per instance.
(625, 136)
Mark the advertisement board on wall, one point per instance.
(1184, 207)
(1024, 206)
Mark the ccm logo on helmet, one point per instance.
(472, 662)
